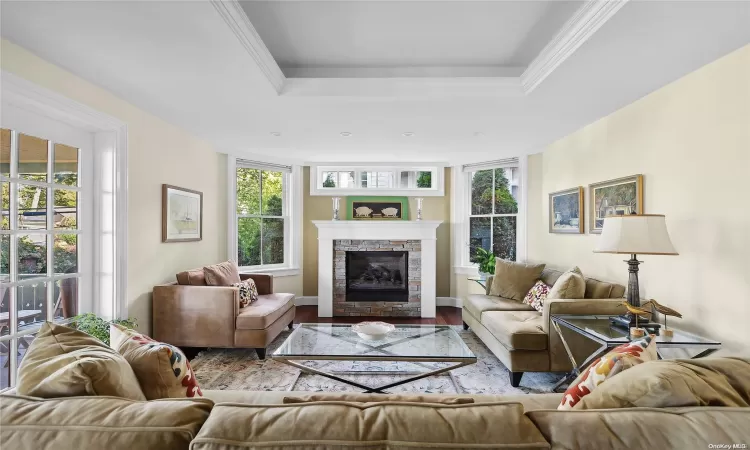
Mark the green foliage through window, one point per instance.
(260, 221)
(492, 221)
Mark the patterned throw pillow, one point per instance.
(162, 370)
(609, 365)
(537, 295)
(248, 292)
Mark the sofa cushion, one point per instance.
(28, 423)
(597, 289)
(570, 285)
(550, 276)
(477, 304)
(163, 370)
(64, 362)
(665, 383)
(513, 279)
(631, 428)
(517, 330)
(223, 274)
(261, 314)
(194, 277)
(391, 425)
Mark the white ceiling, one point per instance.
(406, 34)
(180, 61)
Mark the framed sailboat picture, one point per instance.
(181, 214)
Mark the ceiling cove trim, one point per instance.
(584, 23)
(403, 88)
(234, 16)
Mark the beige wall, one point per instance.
(318, 207)
(691, 141)
(158, 152)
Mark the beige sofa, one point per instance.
(234, 420)
(188, 313)
(523, 338)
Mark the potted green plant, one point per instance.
(96, 326)
(486, 261)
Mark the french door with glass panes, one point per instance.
(45, 238)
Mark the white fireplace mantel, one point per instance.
(424, 231)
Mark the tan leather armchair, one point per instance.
(195, 315)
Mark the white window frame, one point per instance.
(437, 170)
(106, 262)
(291, 213)
(461, 211)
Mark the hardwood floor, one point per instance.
(446, 315)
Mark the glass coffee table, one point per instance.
(600, 330)
(421, 345)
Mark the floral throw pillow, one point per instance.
(537, 295)
(609, 365)
(162, 370)
(248, 292)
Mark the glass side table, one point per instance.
(480, 280)
(600, 330)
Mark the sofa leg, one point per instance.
(291, 325)
(466, 326)
(515, 378)
(261, 353)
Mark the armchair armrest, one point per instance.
(263, 281)
(582, 306)
(195, 316)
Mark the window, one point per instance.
(40, 240)
(493, 211)
(262, 225)
(353, 180)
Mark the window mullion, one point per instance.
(50, 227)
(260, 207)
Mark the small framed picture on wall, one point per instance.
(619, 197)
(181, 214)
(566, 211)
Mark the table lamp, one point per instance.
(644, 234)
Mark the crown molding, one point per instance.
(584, 23)
(403, 88)
(236, 18)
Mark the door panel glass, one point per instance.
(65, 168)
(65, 254)
(31, 255)
(65, 298)
(5, 152)
(5, 203)
(32, 207)
(31, 300)
(66, 209)
(32, 158)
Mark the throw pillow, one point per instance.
(162, 369)
(64, 362)
(224, 274)
(248, 292)
(537, 295)
(513, 279)
(609, 365)
(571, 284)
(676, 383)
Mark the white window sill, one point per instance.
(466, 270)
(275, 271)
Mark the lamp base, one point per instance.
(627, 321)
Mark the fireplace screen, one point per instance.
(377, 277)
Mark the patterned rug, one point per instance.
(240, 369)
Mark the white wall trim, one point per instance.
(450, 301)
(234, 16)
(110, 134)
(310, 300)
(306, 300)
(577, 30)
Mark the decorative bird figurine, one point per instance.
(665, 311)
(636, 310)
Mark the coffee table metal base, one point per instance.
(373, 389)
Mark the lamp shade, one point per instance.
(644, 234)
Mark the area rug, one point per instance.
(240, 369)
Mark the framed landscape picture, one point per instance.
(566, 211)
(181, 214)
(619, 197)
(377, 208)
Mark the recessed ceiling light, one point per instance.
(478, 134)
(276, 133)
(345, 133)
(408, 133)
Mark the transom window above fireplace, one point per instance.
(364, 179)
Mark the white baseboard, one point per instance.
(307, 300)
(310, 300)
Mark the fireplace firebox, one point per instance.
(377, 276)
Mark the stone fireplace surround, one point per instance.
(342, 307)
(398, 231)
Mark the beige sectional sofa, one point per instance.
(523, 338)
(234, 420)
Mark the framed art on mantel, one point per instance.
(181, 214)
(377, 208)
(566, 211)
(619, 197)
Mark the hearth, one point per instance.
(377, 276)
